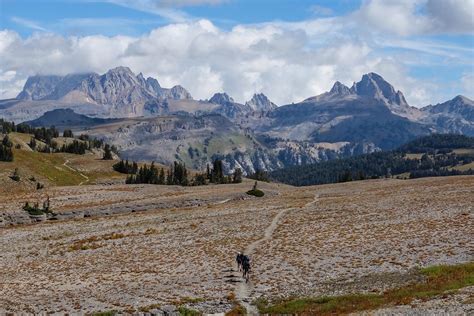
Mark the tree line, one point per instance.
(6, 153)
(437, 142)
(46, 135)
(437, 159)
(176, 174)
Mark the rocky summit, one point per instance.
(119, 89)
(260, 102)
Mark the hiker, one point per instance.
(239, 260)
(246, 268)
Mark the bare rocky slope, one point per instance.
(198, 140)
(175, 246)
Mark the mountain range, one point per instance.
(155, 123)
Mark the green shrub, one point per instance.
(256, 192)
(105, 313)
(184, 311)
(36, 210)
(16, 175)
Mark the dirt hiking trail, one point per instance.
(65, 164)
(244, 289)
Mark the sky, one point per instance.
(289, 50)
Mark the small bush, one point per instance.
(184, 311)
(236, 311)
(105, 313)
(33, 210)
(36, 210)
(16, 175)
(256, 192)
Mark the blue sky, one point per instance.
(287, 49)
(50, 14)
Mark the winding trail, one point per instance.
(65, 164)
(243, 290)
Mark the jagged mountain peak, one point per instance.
(121, 75)
(221, 98)
(375, 86)
(463, 99)
(260, 102)
(141, 78)
(179, 93)
(153, 84)
(119, 88)
(121, 70)
(38, 87)
(457, 105)
(339, 89)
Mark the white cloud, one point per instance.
(467, 81)
(320, 10)
(185, 3)
(409, 17)
(28, 23)
(164, 8)
(451, 16)
(285, 60)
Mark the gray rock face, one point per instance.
(453, 116)
(38, 87)
(176, 93)
(260, 102)
(355, 119)
(228, 107)
(198, 140)
(374, 86)
(67, 84)
(460, 106)
(339, 89)
(119, 86)
(124, 93)
(221, 98)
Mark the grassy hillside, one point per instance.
(53, 169)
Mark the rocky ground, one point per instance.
(164, 245)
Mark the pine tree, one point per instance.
(161, 177)
(6, 153)
(217, 172)
(199, 179)
(68, 133)
(237, 177)
(6, 141)
(107, 153)
(32, 143)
